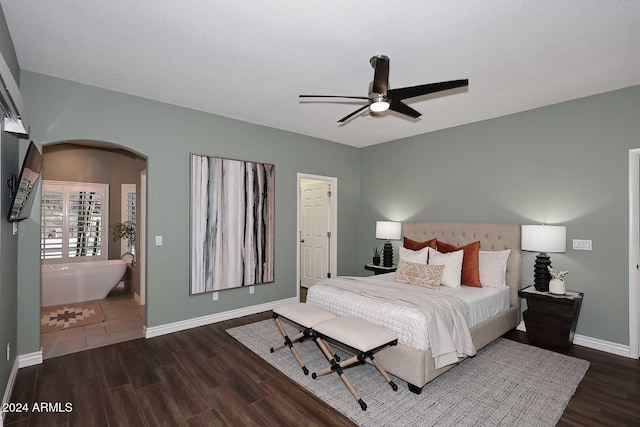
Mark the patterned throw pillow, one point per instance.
(419, 274)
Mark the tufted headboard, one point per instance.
(492, 237)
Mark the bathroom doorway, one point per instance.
(92, 246)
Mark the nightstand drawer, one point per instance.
(552, 307)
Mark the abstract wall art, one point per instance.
(232, 223)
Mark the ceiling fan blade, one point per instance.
(403, 108)
(333, 96)
(410, 92)
(348, 116)
(381, 74)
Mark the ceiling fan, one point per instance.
(381, 98)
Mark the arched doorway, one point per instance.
(90, 191)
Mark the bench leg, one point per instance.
(383, 373)
(332, 351)
(335, 366)
(343, 364)
(289, 342)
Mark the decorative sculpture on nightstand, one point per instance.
(556, 285)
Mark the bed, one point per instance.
(412, 360)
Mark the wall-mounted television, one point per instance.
(23, 187)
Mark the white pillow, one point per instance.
(419, 257)
(452, 262)
(493, 268)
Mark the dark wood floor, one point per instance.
(203, 377)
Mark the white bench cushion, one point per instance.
(356, 333)
(303, 314)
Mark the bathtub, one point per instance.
(80, 281)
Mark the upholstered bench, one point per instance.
(360, 338)
(304, 317)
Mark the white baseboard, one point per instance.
(9, 388)
(21, 361)
(594, 343)
(182, 325)
(30, 359)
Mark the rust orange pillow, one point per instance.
(416, 246)
(470, 262)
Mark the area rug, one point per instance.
(70, 316)
(505, 384)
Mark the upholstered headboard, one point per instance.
(492, 237)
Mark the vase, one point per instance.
(556, 286)
(376, 260)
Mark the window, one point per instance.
(128, 212)
(74, 221)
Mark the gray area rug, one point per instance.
(505, 384)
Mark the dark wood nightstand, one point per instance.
(379, 269)
(551, 319)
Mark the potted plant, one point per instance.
(376, 255)
(125, 230)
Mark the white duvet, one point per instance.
(420, 317)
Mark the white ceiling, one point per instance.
(250, 60)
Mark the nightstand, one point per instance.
(551, 319)
(379, 269)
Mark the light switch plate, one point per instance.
(158, 240)
(581, 245)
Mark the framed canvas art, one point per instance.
(232, 223)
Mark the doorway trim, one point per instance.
(142, 258)
(634, 252)
(333, 244)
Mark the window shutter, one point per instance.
(74, 221)
(52, 224)
(85, 222)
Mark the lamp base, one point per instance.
(387, 254)
(541, 274)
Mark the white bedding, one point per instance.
(482, 303)
(357, 297)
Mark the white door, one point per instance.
(314, 232)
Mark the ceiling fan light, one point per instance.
(379, 106)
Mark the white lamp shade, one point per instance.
(544, 238)
(389, 230)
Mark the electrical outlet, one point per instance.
(251, 290)
(215, 296)
(8, 351)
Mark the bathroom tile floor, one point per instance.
(123, 321)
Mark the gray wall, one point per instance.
(10, 160)
(60, 110)
(563, 164)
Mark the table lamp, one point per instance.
(389, 230)
(543, 239)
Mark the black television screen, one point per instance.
(23, 195)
